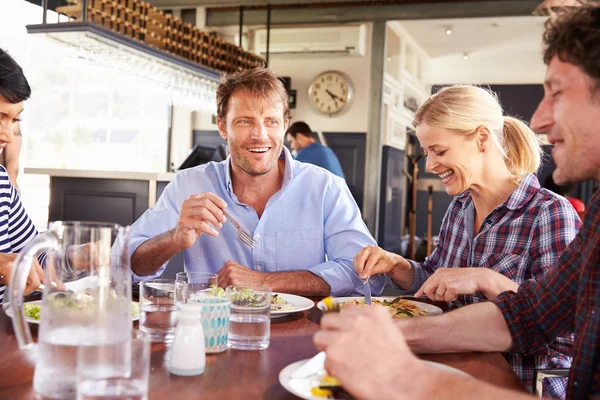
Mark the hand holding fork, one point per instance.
(202, 213)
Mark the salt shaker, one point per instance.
(187, 356)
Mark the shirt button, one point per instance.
(257, 235)
(258, 268)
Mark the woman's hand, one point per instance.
(373, 260)
(446, 284)
(34, 279)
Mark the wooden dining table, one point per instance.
(236, 374)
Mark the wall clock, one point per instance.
(331, 92)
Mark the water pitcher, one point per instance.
(86, 302)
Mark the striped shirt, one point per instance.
(522, 239)
(16, 228)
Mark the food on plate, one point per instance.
(330, 304)
(330, 388)
(278, 303)
(398, 307)
(247, 298)
(32, 310)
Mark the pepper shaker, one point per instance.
(187, 355)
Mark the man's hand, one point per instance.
(36, 274)
(447, 283)
(89, 256)
(200, 213)
(235, 274)
(368, 354)
(373, 260)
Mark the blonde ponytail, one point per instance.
(522, 148)
(464, 108)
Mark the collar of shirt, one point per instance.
(288, 172)
(518, 199)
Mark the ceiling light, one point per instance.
(389, 58)
(449, 31)
(465, 56)
(547, 7)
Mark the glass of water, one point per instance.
(192, 286)
(250, 318)
(127, 382)
(158, 309)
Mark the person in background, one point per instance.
(302, 141)
(501, 229)
(307, 251)
(16, 228)
(565, 300)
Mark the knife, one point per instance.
(367, 291)
(311, 367)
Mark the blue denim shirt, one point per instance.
(312, 223)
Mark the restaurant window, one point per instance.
(83, 115)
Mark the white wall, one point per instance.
(303, 68)
(181, 135)
(504, 64)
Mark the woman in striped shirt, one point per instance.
(16, 228)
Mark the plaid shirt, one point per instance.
(521, 239)
(565, 300)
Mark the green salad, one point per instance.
(246, 297)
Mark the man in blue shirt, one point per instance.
(307, 226)
(302, 141)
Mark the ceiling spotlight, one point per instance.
(449, 31)
(389, 58)
(465, 56)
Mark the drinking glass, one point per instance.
(194, 285)
(129, 382)
(201, 287)
(158, 309)
(250, 318)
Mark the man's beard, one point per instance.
(248, 166)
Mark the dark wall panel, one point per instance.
(392, 188)
(103, 200)
(207, 138)
(350, 150)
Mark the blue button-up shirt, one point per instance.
(312, 223)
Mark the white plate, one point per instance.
(429, 308)
(300, 303)
(37, 321)
(302, 387)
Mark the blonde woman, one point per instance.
(501, 228)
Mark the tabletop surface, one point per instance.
(239, 374)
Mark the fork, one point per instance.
(241, 233)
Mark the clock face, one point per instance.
(330, 92)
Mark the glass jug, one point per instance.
(86, 302)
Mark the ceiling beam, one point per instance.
(338, 15)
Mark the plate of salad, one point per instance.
(34, 311)
(282, 304)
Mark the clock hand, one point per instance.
(333, 96)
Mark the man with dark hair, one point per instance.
(308, 150)
(307, 251)
(16, 229)
(566, 300)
